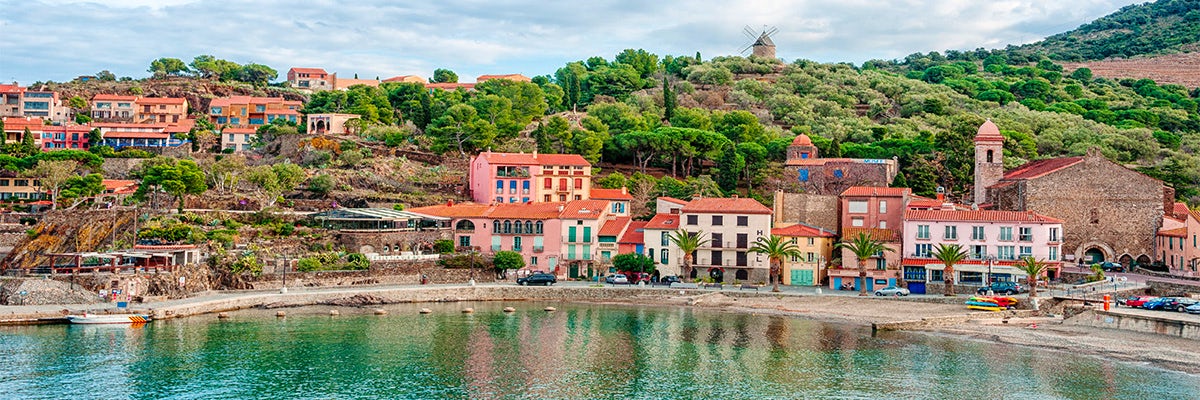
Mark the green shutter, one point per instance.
(571, 234)
(587, 234)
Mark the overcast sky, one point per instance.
(59, 40)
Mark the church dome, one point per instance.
(989, 132)
(803, 140)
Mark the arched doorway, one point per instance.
(1143, 260)
(1093, 255)
(717, 274)
(321, 127)
(741, 275)
(1126, 260)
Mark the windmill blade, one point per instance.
(772, 31)
(747, 48)
(748, 32)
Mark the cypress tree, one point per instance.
(3, 135)
(729, 167)
(835, 149)
(900, 181)
(27, 144)
(669, 100)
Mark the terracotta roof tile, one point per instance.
(525, 211)
(308, 71)
(989, 132)
(162, 100)
(113, 97)
(720, 205)
(1177, 232)
(886, 235)
(513, 77)
(1038, 168)
(635, 233)
(802, 140)
(451, 210)
(673, 200)
(664, 221)
(405, 78)
(614, 227)
(876, 191)
(533, 159)
(979, 215)
(610, 194)
(583, 209)
(802, 230)
(239, 130)
(926, 261)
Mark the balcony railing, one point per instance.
(538, 249)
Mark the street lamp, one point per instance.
(286, 265)
(990, 260)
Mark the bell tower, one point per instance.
(989, 159)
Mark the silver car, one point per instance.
(892, 291)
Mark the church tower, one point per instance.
(989, 159)
(802, 148)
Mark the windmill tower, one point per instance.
(761, 44)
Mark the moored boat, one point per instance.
(109, 318)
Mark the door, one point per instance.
(916, 287)
(802, 277)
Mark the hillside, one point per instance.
(1160, 27)
(197, 91)
(1179, 69)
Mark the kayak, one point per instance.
(985, 308)
(983, 304)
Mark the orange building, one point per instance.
(170, 110)
(252, 112)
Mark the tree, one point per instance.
(506, 260)
(949, 254)
(207, 66)
(687, 243)
(669, 100)
(225, 174)
(1033, 270)
(53, 174)
(78, 188)
(461, 128)
(321, 184)
(105, 76)
(776, 248)
(257, 74)
(275, 180)
(95, 138)
(442, 75)
(633, 262)
(206, 139)
(178, 178)
(729, 167)
(28, 146)
(167, 66)
(864, 247)
(3, 134)
(642, 61)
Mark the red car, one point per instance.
(1137, 301)
(635, 277)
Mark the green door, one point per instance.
(802, 277)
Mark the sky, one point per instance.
(59, 40)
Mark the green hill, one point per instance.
(1161, 27)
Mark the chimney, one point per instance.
(734, 196)
(624, 190)
(561, 207)
(450, 203)
(534, 154)
(947, 206)
(941, 197)
(696, 196)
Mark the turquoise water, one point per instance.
(580, 351)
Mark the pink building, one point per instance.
(534, 230)
(522, 178)
(878, 212)
(994, 241)
(1177, 243)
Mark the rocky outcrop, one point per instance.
(39, 291)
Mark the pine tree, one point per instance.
(698, 59)
(900, 181)
(669, 100)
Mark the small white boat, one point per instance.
(109, 318)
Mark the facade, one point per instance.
(162, 110)
(121, 135)
(1178, 246)
(309, 79)
(59, 137)
(522, 178)
(238, 139)
(581, 221)
(994, 241)
(633, 240)
(14, 127)
(406, 79)
(329, 124)
(1109, 212)
(113, 108)
(817, 210)
(18, 101)
(346, 83)
(20, 188)
(879, 212)
(252, 112)
(511, 77)
(730, 226)
(816, 250)
(834, 175)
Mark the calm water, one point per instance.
(580, 351)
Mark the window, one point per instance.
(518, 229)
(512, 187)
(716, 257)
(587, 234)
(516, 243)
(935, 275)
(858, 206)
(464, 241)
(718, 220)
(804, 175)
(716, 239)
(524, 187)
(571, 234)
(1053, 254)
(743, 221)
(978, 252)
(533, 261)
(666, 239)
(1026, 251)
(1006, 233)
(977, 233)
(664, 257)
(811, 241)
(990, 155)
(743, 241)
(922, 231)
(969, 277)
(538, 226)
(1006, 253)
(922, 250)
(741, 259)
(857, 221)
(1025, 234)
(837, 173)
(548, 184)
(883, 207)
(578, 183)
(507, 226)
(693, 220)
(882, 224)
(951, 233)
(1054, 236)
(880, 263)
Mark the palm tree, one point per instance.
(949, 254)
(863, 246)
(776, 248)
(1033, 270)
(687, 243)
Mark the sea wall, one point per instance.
(1138, 323)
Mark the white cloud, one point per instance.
(58, 40)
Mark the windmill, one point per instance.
(760, 41)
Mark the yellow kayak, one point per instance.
(985, 308)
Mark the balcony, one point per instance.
(538, 249)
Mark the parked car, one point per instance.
(1109, 266)
(1193, 309)
(1136, 301)
(1009, 288)
(616, 279)
(1157, 304)
(668, 280)
(538, 279)
(892, 291)
(1180, 304)
(635, 277)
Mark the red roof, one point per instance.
(824, 161)
(308, 71)
(513, 77)
(113, 97)
(1181, 208)
(664, 221)
(239, 130)
(611, 194)
(583, 209)
(162, 100)
(634, 233)
(231, 100)
(802, 230)
(182, 126)
(11, 88)
(979, 215)
(1177, 232)
(20, 123)
(876, 191)
(1038, 168)
(525, 211)
(614, 227)
(403, 78)
(802, 140)
(886, 235)
(533, 159)
(112, 185)
(449, 86)
(452, 210)
(719, 205)
(923, 202)
(136, 135)
(164, 246)
(673, 200)
(128, 125)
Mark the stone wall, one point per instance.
(812, 209)
(1103, 205)
(934, 288)
(824, 179)
(375, 242)
(1164, 325)
(119, 168)
(1161, 288)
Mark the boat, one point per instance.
(984, 308)
(109, 318)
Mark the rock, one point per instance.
(39, 291)
(509, 309)
(426, 311)
(380, 311)
(280, 314)
(223, 315)
(549, 309)
(468, 310)
(334, 313)
(357, 300)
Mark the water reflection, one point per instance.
(576, 352)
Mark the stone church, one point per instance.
(832, 176)
(1109, 212)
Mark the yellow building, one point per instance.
(816, 249)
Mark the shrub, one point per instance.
(321, 184)
(357, 261)
(308, 264)
(351, 158)
(508, 260)
(443, 246)
(284, 229)
(247, 263)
